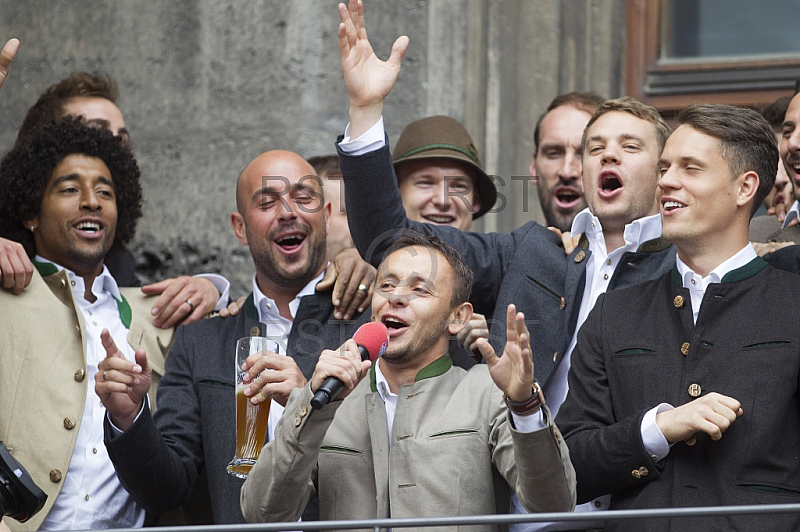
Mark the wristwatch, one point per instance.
(528, 406)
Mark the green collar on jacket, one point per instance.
(438, 367)
(47, 269)
(733, 276)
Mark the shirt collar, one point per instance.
(381, 384)
(583, 223)
(743, 257)
(794, 212)
(636, 233)
(266, 305)
(104, 282)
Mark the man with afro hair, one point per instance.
(70, 192)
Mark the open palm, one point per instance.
(368, 79)
(513, 372)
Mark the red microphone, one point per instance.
(372, 339)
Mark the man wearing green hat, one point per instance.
(442, 182)
(440, 175)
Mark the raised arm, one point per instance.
(368, 79)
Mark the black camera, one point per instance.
(20, 497)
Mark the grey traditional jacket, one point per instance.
(452, 452)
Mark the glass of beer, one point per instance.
(251, 420)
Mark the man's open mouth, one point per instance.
(567, 197)
(89, 228)
(290, 242)
(795, 166)
(394, 324)
(609, 182)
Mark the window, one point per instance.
(727, 51)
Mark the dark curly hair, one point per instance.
(27, 168)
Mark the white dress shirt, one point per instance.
(278, 329)
(92, 496)
(600, 266)
(654, 441)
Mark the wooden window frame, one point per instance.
(673, 84)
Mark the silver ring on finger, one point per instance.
(363, 288)
(189, 302)
(104, 376)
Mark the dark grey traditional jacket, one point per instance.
(639, 347)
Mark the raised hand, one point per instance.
(713, 414)
(368, 79)
(513, 372)
(121, 384)
(6, 56)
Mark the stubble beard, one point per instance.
(269, 264)
(416, 347)
(554, 218)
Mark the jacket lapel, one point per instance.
(575, 283)
(308, 336)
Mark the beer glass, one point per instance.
(251, 420)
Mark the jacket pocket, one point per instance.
(453, 433)
(216, 384)
(770, 489)
(339, 449)
(562, 302)
(767, 345)
(634, 351)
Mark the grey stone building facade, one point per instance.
(206, 85)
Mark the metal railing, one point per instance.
(505, 519)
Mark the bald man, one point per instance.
(282, 217)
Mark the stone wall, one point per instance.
(208, 85)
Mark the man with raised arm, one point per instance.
(413, 435)
(684, 390)
(621, 230)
